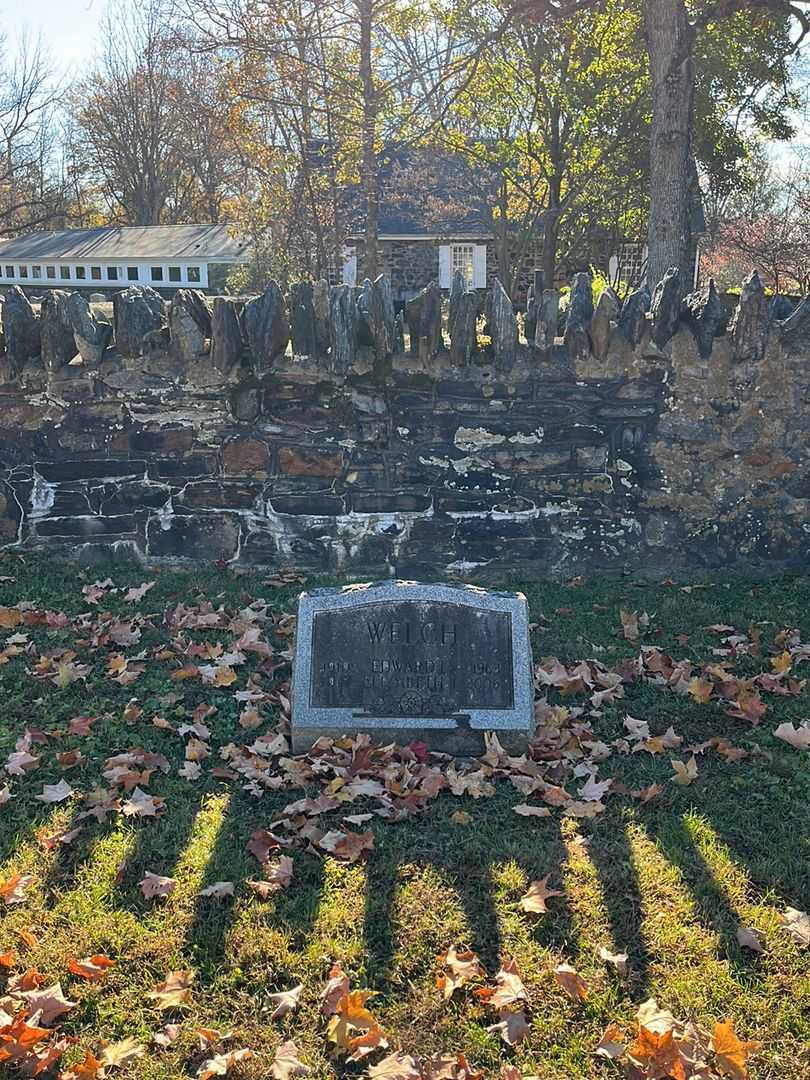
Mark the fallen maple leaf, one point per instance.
(798, 737)
(529, 810)
(54, 793)
(396, 1066)
(658, 1054)
(797, 924)
(219, 890)
(535, 898)
(618, 961)
(12, 891)
(685, 771)
(175, 990)
(286, 1062)
(286, 1001)
(336, 988)
(221, 1063)
(748, 938)
(153, 885)
(569, 980)
(89, 1069)
(119, 1053)
(93, 968)
(140, 804)
(612, 1044)
(463, 968)
(50, 1003)
(278, 876)
(730, 1053)
(512, 1027)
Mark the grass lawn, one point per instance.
(668, 882)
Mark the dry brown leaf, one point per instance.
(463, 967)
(49, 1002)
(218, 890)
(120, 1053)
(569, 980)
(797, 924)
(153, 885)
(612, 1044)
(618, 961)
(730, 1053)
(93, 968)
(286, 1062)
(221, 1063)
(798, 737)
(55, 793)
(175, 990)
(286, 1001)
(12, 890)
(534, 899)
(748, 938)
(512, 1027)
(685, 771)
(396, 1066)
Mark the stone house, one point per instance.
(110, 258)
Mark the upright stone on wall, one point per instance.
(189, 324)
(702, 311)
(320, 307)
(795, 329)
(92, 335)
(605, 313)
(227, 339)
(464, 330)
(548, 313)
(458, 289)
(750, 324)
(137, 311)
(424, 316)
(633, 319)
(302, 319)
(503, 326)
(666, 307)
(266, 327)
(58, 345)
(343, 329)
(21, 328)
(577, 336)
(383, 284)
(371, 319)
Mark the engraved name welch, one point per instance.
(418, 658)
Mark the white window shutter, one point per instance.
(445, 274)
(613, 268)
(349, 266)
(480, 266)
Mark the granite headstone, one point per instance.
(402, 661)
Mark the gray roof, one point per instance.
(207, 242)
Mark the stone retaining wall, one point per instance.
(598, 451)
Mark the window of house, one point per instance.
(193, 274)
(9, 271)
(632, 260)
(95, 273)
(23, 271)
(333, 272)
(132, 273)
(81, 273)
(112, 273)
(174, 273)
(156, 273)
(461, 256)
(36, 271)
(50, 272)
(64, 273)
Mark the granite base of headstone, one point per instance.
(405, 662)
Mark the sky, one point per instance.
(70, 27)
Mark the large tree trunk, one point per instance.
(370, 178)
(669, 46)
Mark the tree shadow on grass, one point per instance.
(467, 859)
(613, 858)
